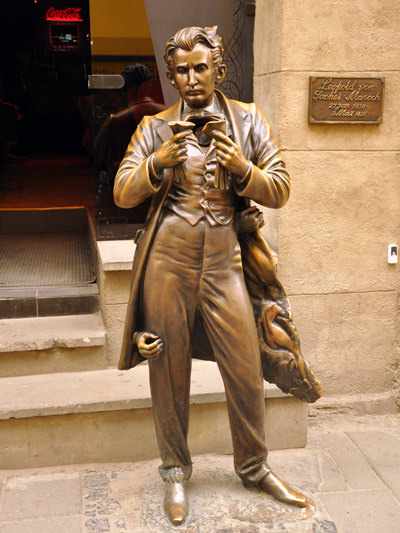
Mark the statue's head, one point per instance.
(194, 59)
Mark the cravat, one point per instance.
(200, 118)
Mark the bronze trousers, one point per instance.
(198, 269)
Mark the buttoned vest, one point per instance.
(196, 197)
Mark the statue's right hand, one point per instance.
(149, 345)
(172, 152)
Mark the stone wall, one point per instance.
(345, 204)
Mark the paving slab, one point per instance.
(382, 450)
(47, 525)
(331, 440)
(41, 496)
(374, 511)
(312, 470)
(356, 469)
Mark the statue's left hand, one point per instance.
(230, 155)
(149, 345)
(250, 219)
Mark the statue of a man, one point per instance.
(202, 160)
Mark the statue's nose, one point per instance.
(192, 78)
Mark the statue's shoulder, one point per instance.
(250, 111)
(239, 107)
(153, 122)
(249, 107)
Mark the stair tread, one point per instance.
(43, 333)
(100, 390)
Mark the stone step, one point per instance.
(105, 416)
(29, 302)
(43, 345)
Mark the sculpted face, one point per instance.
(195, 75)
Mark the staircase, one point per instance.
(62, 401)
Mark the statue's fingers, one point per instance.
(222, 179)
(226, 179)
(152, 356)
(222, 138)
(181, 136)
(217, 176)
(152, 349)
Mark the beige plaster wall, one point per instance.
(344, 208)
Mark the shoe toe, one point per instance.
(175, 503)
(282, 492)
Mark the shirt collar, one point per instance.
(213, 107)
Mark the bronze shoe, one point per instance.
(175, 500)
(275, 487)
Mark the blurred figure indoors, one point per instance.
(113, 138)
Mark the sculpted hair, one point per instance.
(187, 38)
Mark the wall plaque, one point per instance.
(345, 100)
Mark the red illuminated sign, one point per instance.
(69, 14)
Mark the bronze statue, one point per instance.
(204, 283)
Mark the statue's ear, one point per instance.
(220, 73)
(171, 79)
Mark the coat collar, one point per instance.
(236, 114)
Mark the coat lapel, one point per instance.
(240, 120)
(169, 115)
(238, 117)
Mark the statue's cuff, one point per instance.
(242, 181)
(152, 172)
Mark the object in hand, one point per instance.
(178, 127)
(221, 178)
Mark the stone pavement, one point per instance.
(350, 468)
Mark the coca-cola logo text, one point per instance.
(69, 14)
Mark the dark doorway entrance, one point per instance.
(46, 175)
(44, 64)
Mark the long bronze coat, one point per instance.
(282, 361)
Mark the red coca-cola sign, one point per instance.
(69, 14)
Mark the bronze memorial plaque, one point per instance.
(345, 100)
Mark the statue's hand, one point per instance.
(149, 345)
(230, 155)
(250, 219)
(172, 152)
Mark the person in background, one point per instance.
(114, 136)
